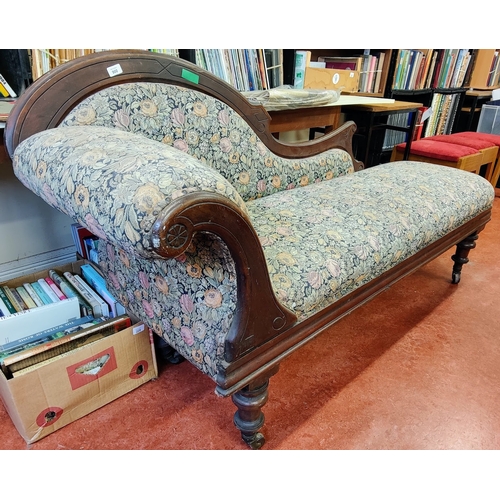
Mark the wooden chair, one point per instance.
(441, 153)
(493, 170)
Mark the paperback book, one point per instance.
(73, 338)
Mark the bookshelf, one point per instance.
(244, 69)
(485, 69)
(417, 69)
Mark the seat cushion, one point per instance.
(483, 136)
(323, 241)
(469, 141)
(438, 150)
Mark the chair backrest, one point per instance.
(208, 129)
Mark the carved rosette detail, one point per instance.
(177, 236)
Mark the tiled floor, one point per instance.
(416, 368)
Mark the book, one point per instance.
(40, 337)
(70, 291)
(34, 296)
(13, 299)
(352, 63)
(371, 74)
(102, 303)
(46, 288)
(32, 358)
(25, 296)
(55, 288)
(41, 293)
(7, 87)
(4, 309)
(3, 91)
(431, 69)
(380, 67)
(6, 301)
(18, 298)
(98, 283)
(86, 293)
(363, 76)
(30, 321)
(79, 233)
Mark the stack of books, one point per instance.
(42, 319)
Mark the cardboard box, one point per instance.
(331, 79)
(71, 386)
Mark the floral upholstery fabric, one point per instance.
(208, 130)
(323, 241)
(332, 234)
(189, 301)
(113, 182)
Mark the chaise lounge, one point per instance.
(232, 246)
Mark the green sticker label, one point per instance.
(190, 76)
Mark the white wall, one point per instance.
(33, 235)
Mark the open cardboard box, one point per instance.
(57, 393)
(331, 79)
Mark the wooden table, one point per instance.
(373, 117)
(363, 110)
(327, 116)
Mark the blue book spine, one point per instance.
(40, 292)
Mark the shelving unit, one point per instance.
(485, 70)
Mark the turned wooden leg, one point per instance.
(249, 418)
(460, 257)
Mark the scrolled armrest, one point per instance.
(257, 306)
(150, 199)
(113, 182)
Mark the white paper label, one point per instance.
(426, 114)
(138, 329)
(336, 78)
(115, 70)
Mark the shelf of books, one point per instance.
(245, 69)
(43, 60)
(430, 68)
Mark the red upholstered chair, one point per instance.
(441, 153)
(487, 147)
(494, 173)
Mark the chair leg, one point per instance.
(460, 257)
(249, 418)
